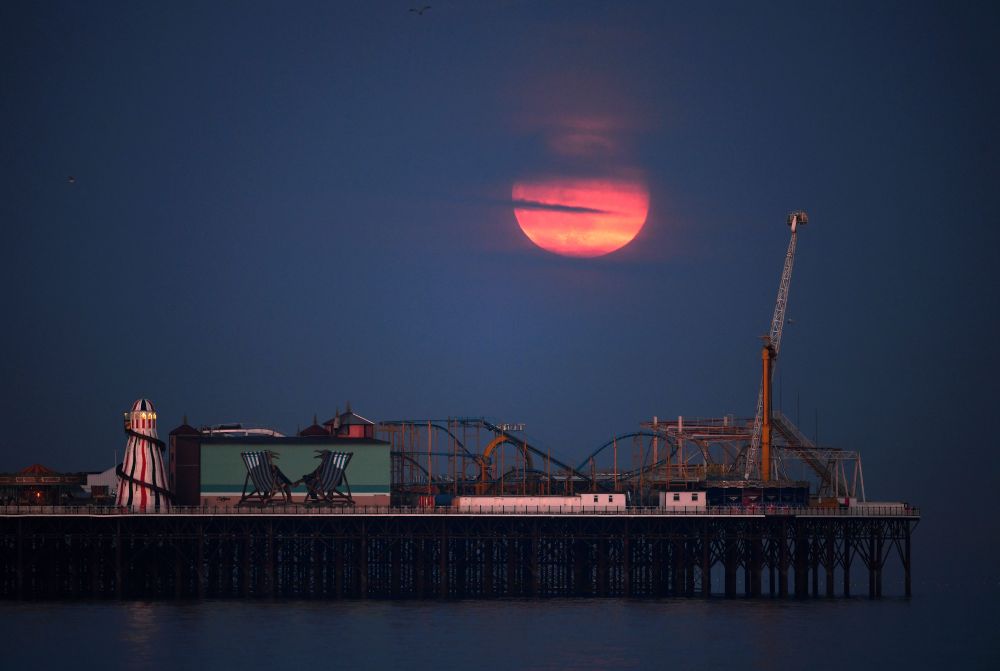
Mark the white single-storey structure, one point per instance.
(683, 500)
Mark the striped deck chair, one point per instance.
(266, 477)
(324, 483)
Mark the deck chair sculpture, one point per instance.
(324, 483)
(266, 477)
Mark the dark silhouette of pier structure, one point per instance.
(396, 553)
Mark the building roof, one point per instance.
(314, 430)
(37, 469)
(37, 474)
(185, 429)
(347, 418)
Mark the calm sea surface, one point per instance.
(932, 631)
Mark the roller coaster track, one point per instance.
(433, 424)
(624, 436)
(527, 449)
(484, 460)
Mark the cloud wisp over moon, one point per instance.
(555, 207)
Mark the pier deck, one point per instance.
(304, 552)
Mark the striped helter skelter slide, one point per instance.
(142, 485)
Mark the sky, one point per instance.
(280, 207)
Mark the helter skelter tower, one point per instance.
(142, 486)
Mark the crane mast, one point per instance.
(773, 341)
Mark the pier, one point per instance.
(298, 552)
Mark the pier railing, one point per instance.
(864, 510)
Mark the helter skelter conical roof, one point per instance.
(143, 404)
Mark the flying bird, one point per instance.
(71, 179)
(420, 12)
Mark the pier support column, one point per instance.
(907, 591)
(178, 572)
(879, 559)
(831, 563)
(315, 585)
(396, 567)
(443, 562)
(229, 548)
(783, 560)
(848, 555)
(603, 574)
(814, 567)
(582, 581)
(689, 564)
(677, 566)
(19, 576)
(772, 555)
(656, 567)
(119, 569)
(746, 568)
(269, 564)
(871, 565)
(626, 562)
(339, 567)
(801, 561)
(462, 544)
(489, 590)
(730, 563)
(419, 567)
(199, 563)
(706, 561)
(533, 549)
(246, 574)
(511, 545)
(361, 561)
(95, 565)
(755, 563)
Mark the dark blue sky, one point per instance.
(281, 206)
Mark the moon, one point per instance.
(581, 217)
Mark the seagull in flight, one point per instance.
(420, 12)
(71, 179)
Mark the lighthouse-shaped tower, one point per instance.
(142, 486)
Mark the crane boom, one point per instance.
(795, 220)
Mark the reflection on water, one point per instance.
(140, 633)
(925, 632)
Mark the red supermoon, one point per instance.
(580, 217)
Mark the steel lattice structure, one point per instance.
(774, 336)
(464, 456)
(399, 555)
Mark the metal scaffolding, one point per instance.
(386, 555)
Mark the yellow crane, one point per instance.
(760, 441)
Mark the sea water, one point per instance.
(940, 629)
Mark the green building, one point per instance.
(206, 467)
